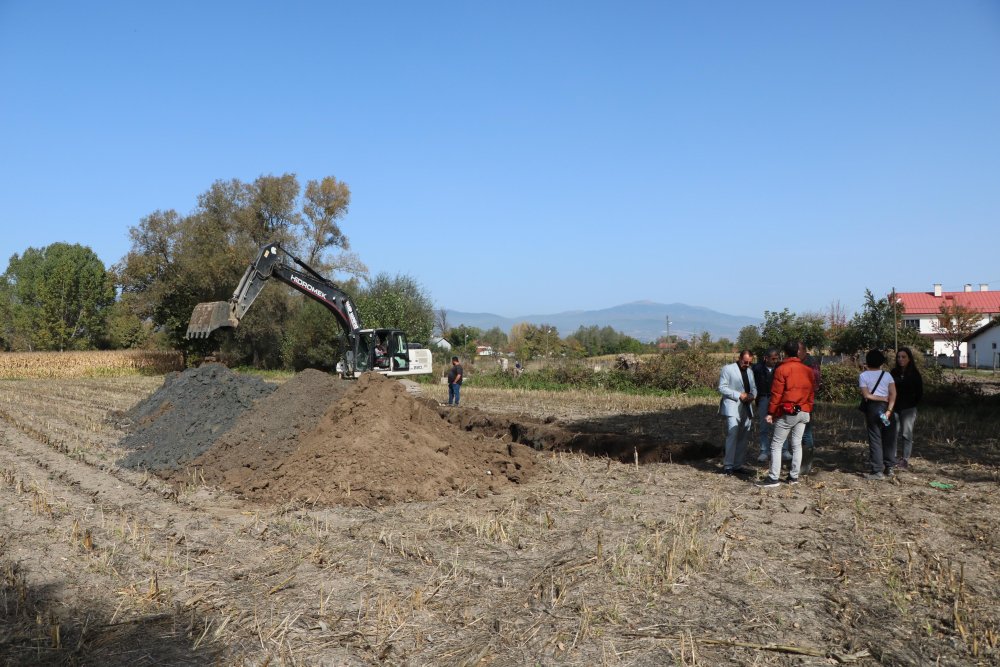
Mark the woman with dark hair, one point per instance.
(909, 391)
(878, 388)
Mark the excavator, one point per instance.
(384, 351)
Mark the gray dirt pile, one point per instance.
(373, 444)
(185, 416)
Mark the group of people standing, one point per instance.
(781, 396)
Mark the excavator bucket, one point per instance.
(207, 317)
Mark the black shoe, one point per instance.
(744, 470)
(767, 483)
(792, 480)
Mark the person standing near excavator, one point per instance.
(454, 381)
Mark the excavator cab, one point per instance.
(381, 350)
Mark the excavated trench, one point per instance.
(549, 435)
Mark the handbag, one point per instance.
(863, 406)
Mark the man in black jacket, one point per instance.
(763, 375)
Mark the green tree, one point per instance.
(495, 338)
(749, 339)
(779, 328)
(125, 330)
(875, 327)
(595, 341)
(58, 298)
(313, 338)
(463, 339)
(397, 303)
(176, 262)
(7, 329)
(530, 340)
(326, 203)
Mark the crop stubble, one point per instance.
(592, 561)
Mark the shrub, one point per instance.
(685, 370)
(941, 388)
(839, 383)
(691, 370)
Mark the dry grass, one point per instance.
(111, 363)
(591, 563)
(564, 404)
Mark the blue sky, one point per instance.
(525, 157)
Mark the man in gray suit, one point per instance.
(736, 384)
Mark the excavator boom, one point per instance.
(273, 261)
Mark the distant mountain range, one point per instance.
(643, 320)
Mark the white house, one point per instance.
(922, 311)
(984, 346)
(438, 342)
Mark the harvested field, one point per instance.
(582, 560)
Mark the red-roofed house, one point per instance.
(922, 309)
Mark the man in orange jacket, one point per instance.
(793, 393)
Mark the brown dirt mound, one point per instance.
(266, 435)
(375, 444)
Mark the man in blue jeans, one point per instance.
(454, 381)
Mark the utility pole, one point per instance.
(895, 323)
(668, 329)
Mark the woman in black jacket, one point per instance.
(909, 391)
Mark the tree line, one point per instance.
(531, 341)
(62, 297)
(877, 326)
